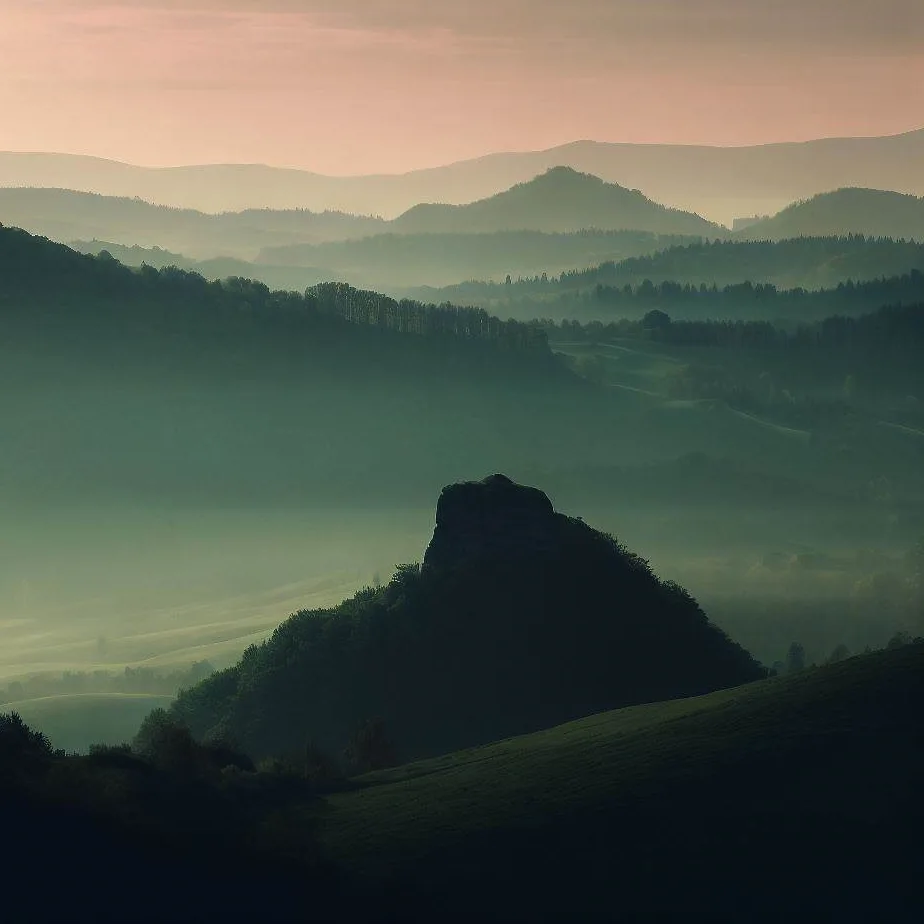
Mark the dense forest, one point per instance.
(558, 299)
(42, 273)
(800, 262)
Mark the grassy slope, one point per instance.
(744, 798)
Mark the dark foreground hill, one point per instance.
(794, 798)
(519, 618)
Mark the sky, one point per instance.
(362, 86)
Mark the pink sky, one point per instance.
(356, 86)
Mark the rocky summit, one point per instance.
(489, 518)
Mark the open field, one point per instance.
(74, 722)
(188, 585)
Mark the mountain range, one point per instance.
(721, 183)
(558, 201)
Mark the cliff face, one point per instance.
(488, 519)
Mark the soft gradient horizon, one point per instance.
(362, 86)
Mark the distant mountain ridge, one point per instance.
(66, 215)
(561, 201)
(721, 183)
(853, 210)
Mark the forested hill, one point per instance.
(38, 276)
(804, 262)
(844, 211)
(588, 298)
(801, 262)
(559, 200)
(156, 384)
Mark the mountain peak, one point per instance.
(563, 172)
(560, 200)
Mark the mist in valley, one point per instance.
(366, 537)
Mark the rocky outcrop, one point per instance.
(494, 517)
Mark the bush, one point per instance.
(310, 764)
(166, 742)
(22, 750)
(370, 748)
(114, 755)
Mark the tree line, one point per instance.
(423, 320)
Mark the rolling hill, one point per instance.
(721, 183)
(428, 245)
(798, 792)
(559, 200)
(871, 212)
(65, 215)
(397, 262)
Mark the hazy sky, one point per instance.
(344, 86)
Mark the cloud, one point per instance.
(825, 26)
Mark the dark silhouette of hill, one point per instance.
(129, 835)
(559, 200)
(798, 792)
(871, 212)
(519, 618)
(720, 182)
